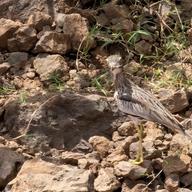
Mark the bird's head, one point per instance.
(114, 61)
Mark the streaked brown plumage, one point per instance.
(137, 102)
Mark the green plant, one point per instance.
(56, 82)
(174, 43)
(100, 83)
(23, 96)
(6, 90)
(84, 46)
(134, 36)
(174, 79)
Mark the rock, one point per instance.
(184, 190)
(59, 21)
(157, 163)
(161, 146)
(77, 27)
(30, 75)
(151, 151)
(143, 47)
(45, 65)
(45, 176)
(1, 58)
(21, 10)
(18, 59)
(152, 132)
(141, 187)
(125, 188)
(8, 27)
(134, 186)
(106, 181)
(91, 160)
(4, 67)
(183, 68)
(128, 169)
(186, 159)
(186, 179)
(127, 129)
(168, 137)
(125, 25)
(101, 144)
(153, 135)
(117, 155)
(133, 67)
(125, 144)
(23, 39)
(71, 157)
(177, 144)
(83, 147)
(78, 80)
(12, 145)
(174, 101)
(133, 148)
(172, 182)
(51, 123)
(174, 164)
(39, 19)
(117, 137)
(10, 163)
(112, 15)
(127, 185)
(53, 42)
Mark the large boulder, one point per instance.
(23, 39)
(175, 164)
(77, 27)
(64, 121)
(106, 181)
(114, 16)
(128, 169)
(45, 65)
(8, 27)
(101, 144)
(175, 101)
(38, 20)
(38, 175)
(53, 42)
(18, 59)
(4, 67)
(21, 10)
(10, 163)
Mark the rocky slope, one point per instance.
(59, 125)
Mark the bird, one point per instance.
(139, 104)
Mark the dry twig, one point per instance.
(152, 180)
(32, 116)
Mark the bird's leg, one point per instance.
(139, 158)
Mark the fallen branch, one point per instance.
(152, 180)
(32, 116)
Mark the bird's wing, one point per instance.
(132, 106)
(143, 104)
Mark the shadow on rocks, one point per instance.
(65, 122)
